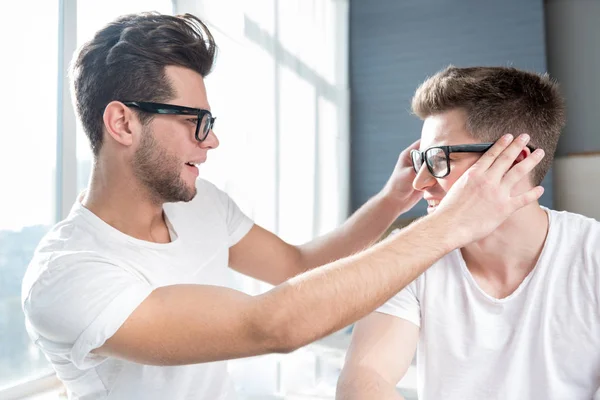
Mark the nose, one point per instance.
(424, 179)
(211, 141)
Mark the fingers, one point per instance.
(404, 157)
(519, 171)
(527, 198)
(414, 146)
(488, 158)
(507, 158)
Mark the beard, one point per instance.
(160, 172)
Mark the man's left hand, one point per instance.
(399, 187)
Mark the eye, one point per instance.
(193, 121)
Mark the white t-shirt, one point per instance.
(541, 342)
(87, 277)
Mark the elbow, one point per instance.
(279, 338)
(357, 382)
(345, 386)
(273, 328)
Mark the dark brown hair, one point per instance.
(126, 60)
(498, 100)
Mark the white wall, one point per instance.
(577, 184)
(573, 47)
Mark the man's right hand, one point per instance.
(483, 197)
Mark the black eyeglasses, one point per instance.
(437, 158)
(204, 119)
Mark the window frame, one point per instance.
(66, 153)
(66, 169)
(32, 387)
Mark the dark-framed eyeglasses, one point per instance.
(204, 119)
(437, 158)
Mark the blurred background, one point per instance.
(313, 100)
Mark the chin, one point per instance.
(192, 193)
(190, 189)
(182, 192)
(188, 194)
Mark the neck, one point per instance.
(121, 201)
(504, 258)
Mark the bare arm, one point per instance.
(264, 256)
(195, 323)
(379, 355)
(360, 231)
(185, 324)
(371, 220)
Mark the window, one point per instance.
(29, 173)
(288, 171)
(40, 175)
(27, 169)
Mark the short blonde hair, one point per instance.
(498, 100)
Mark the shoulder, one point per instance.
(449, 264)
(570, 218)
(56, 272)
(64, 290)
(446, 269)
(574, 253)
(64, 241)
(76, 251)
(578, 232)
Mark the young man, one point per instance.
(127, 296)
(514, 315)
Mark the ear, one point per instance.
(522, 155)
(120, 122)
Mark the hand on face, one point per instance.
(481, 199)
(399, 186)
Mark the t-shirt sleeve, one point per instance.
(238, 223)
(77, 303)
(404, 305)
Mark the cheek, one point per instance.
(173, 138)
(446, 183)
(457, 169)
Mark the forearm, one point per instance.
(360, 231)
(324, 300)
(365, 384)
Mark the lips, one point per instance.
(193, 169)
(196, 161)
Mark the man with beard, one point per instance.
(127, 296)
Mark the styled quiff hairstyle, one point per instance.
(498, 100)
(126, 61)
